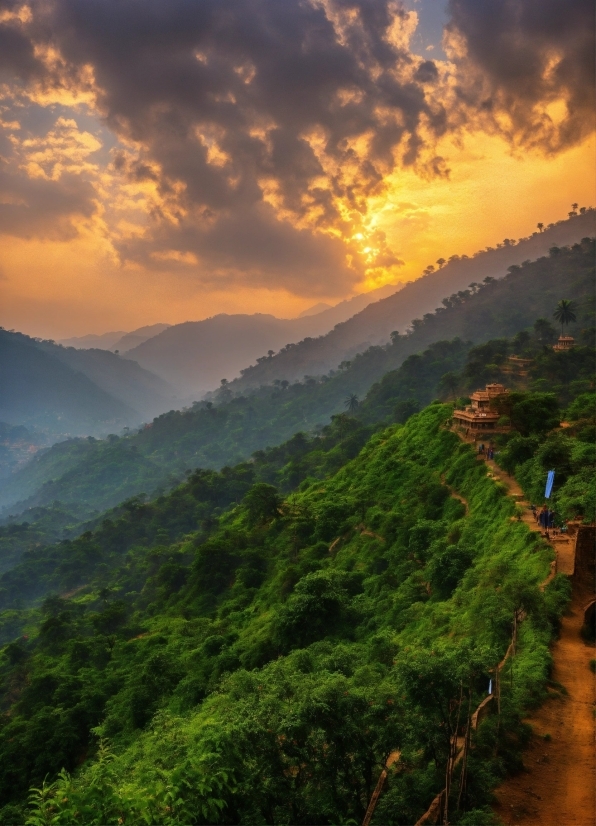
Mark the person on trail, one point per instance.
(534, 514)
(551, 520)
(543, 518)
(481, 449)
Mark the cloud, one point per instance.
(254, 134)
(276, 121)
(46, 181)
(525, 68)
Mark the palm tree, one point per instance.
(564, 313)
(352, 402)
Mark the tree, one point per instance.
(540, 226)
(405, 409)
(449, 383)
(529, 412)
(270, 353)
(441, 261)
(394, 336)
(544, 330)
(352, 402)
(262, 503)
(565, 312)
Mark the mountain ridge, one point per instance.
(374, 324)
(196, 355)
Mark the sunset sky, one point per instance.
(166, 160)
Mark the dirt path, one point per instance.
(558, 785)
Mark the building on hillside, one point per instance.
(478, 415)
(564, 343)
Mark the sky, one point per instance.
(167, 160)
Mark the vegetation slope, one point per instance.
(230, 653)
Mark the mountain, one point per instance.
(411, 368)
(196, 355)
(315, 309)
(118, 340)
(103, 341)
(69, 392)
(37, 389)
(145, 393)
(374, 324)
(136, 337)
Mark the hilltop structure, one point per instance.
(478, 415)
(564, 343)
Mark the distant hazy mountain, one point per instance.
(145, 393)
(374, 324)
(74, 392)
(38, 389)
(196, 355)
(315, 310)
(130, 340)
(116, 340)
(104, 341)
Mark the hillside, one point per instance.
(68, 392)
(222, 434)
(143, 391)
(37, 389)
(196, 355)
(230, 655)
(375, 323)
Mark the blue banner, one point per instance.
(549, 484)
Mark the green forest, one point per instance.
(250, 645)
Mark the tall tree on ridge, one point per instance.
(565, 312)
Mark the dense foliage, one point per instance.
(257, 665)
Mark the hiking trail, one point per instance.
(558, 784)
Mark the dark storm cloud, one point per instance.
(521, 55)
(227, 97)
(16, 49)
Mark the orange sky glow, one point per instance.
(71, 277)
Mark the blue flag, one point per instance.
(549, 484)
